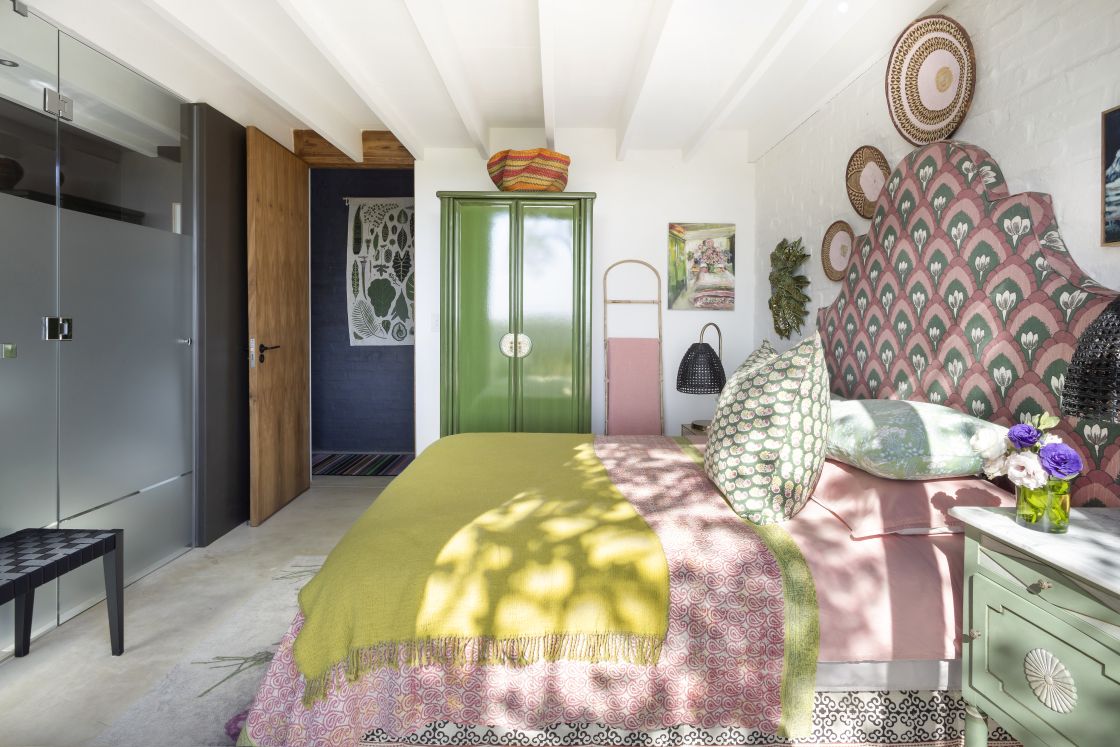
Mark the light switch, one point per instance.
(7, 350)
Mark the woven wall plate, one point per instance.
(931, 75)
(864, 178)
(836, 249)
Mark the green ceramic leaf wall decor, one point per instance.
(788, 300)
(357, 247)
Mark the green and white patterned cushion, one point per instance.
(905, 440)
(766, 443)
(763, 353)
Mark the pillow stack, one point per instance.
(767, 441)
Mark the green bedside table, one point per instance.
(1041, 651)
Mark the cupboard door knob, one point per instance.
(1041, 585)
(507, 345)
(524, 345)
(974, 634)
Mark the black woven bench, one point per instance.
(30, 558)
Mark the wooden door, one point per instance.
(279, 386)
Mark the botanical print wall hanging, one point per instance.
(1110, 189)
(702, 266)
(380, 284)
(788, 300)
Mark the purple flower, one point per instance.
(1023, 436)
(1060, 461)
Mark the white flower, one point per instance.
(1050, 438)
(997, 467)
(989, 443)
(1024, 469)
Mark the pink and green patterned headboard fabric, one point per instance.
(963, 295)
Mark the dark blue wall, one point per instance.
(361, 397)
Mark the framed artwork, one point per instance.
(702, 266)
(1110, 177)
(380, 282)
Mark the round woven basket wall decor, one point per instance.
(836, 249)
(931, 75)
(865, 177)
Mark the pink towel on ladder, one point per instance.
(634, 381)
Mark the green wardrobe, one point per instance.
(515, 312)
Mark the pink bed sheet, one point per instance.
(882, 598)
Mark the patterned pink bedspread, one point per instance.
(721, 663)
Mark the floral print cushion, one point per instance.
(766, 443)
(904, 440)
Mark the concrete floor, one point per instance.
(69, 688)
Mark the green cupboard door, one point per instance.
(552, 294)
(483, 253)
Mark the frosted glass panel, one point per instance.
(28, 392)
(156, 526)
(125, 391)
(27, 381)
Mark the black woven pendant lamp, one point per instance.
(701, 370)
(1092, 387)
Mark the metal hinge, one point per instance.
(58, 328)
(57, 104)
(19, 7)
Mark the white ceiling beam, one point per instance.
(655, 29)
(851, 50)
(546, 22)
(791, 22)
(434, 30)
(315, 19)
(282, 64)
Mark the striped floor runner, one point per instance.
(359, 465)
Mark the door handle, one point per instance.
(515, 346)
(264, 349)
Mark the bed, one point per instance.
(769, 635)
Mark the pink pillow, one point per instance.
(873, 506)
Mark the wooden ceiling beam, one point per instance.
(380, 148)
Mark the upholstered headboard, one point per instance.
(963, 295)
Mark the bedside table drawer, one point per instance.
(1033, 579)
(1061, 685)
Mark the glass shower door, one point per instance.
(126, 279)
(28, 273)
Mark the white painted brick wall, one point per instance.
(1046, 71)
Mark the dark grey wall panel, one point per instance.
(361, 397)
(218, 213)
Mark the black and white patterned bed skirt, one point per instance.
(899, 718)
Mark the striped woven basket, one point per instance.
(537, 170)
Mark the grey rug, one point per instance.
(191, 705)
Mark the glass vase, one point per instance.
(1044, 509)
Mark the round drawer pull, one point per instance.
(1040, 586)
(974, 634)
